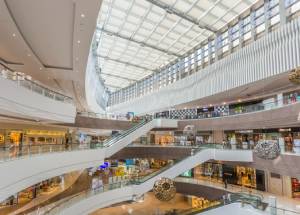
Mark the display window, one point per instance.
(209, 171)
(295, 188)
(202, 203)
(2, 139)
(246, 176)
(187, 174)
(164, 139)
(15, 137)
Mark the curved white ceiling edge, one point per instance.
(93, 87)
(18, 41)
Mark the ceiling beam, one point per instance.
(131, 39)
(180, 14)
(125, 63)
(113, 86)
(120, 77)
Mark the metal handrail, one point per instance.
(135, 181)
(23, 81)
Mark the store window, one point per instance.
(295, 188)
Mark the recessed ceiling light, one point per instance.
(224, 103)
(14, 35)
(77, 59)
(40, 68)
(82, 15)
(239, 100)
(210, 105)
(28, 55)
(78, 41)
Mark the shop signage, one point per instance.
(284, 129)
(244, 131)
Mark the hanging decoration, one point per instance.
(267, 150)
(164, 189)
(294, 76)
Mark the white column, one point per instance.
(282, 12)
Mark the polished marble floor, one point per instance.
(149, 206)
(282, 201)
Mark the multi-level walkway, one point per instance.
(19, 171)
(90, 200)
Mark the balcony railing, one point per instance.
(104, 116)
(224, 110)
(24, 81)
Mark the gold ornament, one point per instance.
(294, 76)
(164, 189)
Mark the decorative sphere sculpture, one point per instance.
(294, 76)
(267, 150)
(164, 189)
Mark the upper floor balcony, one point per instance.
(22, 97)
(253, 48)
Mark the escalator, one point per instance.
(26, 170)
(90, 200)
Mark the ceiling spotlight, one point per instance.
(78, 41)
(210, 105)
(82, 15)
(77, 59)
(224, 103)
(40, 68)
(14, 35)
(28, 55)
(239, 100)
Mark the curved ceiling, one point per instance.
(138, 37)
(50, 41)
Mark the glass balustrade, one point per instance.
(68, 202)
(26, 82)
(121, 117)
(224, 111)
(16, 151)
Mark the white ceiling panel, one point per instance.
(144, 36)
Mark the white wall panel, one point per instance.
(273, 54)
(19, 101)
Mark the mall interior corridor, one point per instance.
(150, 107)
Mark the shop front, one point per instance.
(288, 138)
(236, 175)
(203, 137)
(22, 137)
(209, 171)
(163, 137)
(130, 169)
(295, 188)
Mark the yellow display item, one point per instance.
(120, 171)
(2, 138)
(45, 133)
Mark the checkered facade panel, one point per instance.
(179, 114)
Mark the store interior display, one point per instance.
(246, 177)
(295, 188)
(209, 171)
(237, 175)
(202, 203)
